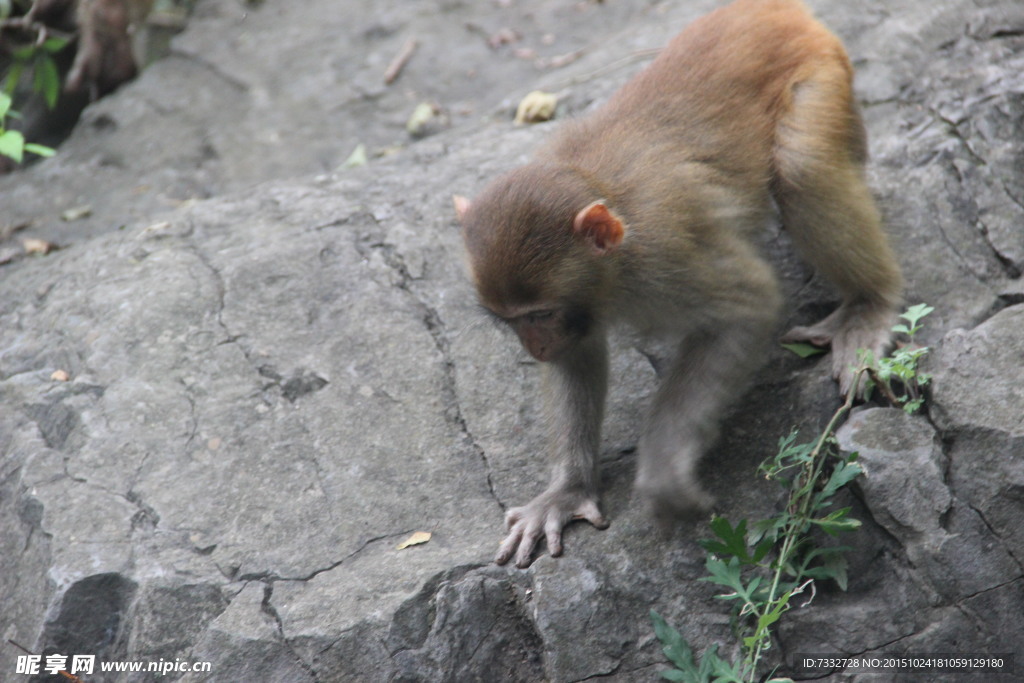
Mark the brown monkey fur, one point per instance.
(643, 213)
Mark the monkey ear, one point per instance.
(600, 227)
(461, 206)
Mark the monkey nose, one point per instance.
(539, 353)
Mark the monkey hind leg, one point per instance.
(707, 371)
(827, 208)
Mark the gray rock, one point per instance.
(903, 470)
(980, 408)
(272, 385)
(904, 489)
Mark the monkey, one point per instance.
(644, 213)
(104, 59)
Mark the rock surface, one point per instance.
(277, 373)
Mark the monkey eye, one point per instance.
(538, 316)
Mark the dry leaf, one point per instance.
(356, 158)
(537, 106)
(37, 246)
(416, 539)
(73, 214)
(421, 115)
(426, 119)
(60, 376)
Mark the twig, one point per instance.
(883, 387)
(28, 24)
(21, 647)
(396, 65)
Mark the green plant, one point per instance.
(12, 142)
(898, 372)
(765, 565)
(38, 57)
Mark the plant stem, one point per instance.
(800, 505)
(883, 387)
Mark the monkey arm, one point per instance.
(575, 385)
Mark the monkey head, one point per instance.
(542, 251)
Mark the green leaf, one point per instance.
(786, 441)
(825, 552)
(837, 522)
(708, 663)
(734, 540)
(804, 350)
(772, 615)
(676, 649)
(13, 76)
(5, 105)
(769, 529)
(54, 44)
(24, 54)
(727, 575)
(12, 145)
(762, 549)
(46, 80)
(837, 565)
(728, 673)
(819, 573)
(842, 475)
(41, 150)
(793, 454)
(911, 407)
(915, 313)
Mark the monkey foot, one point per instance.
(819, 334)
(669, 505)
(546, 514)
(848, 330)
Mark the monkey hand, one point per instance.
(548, 513)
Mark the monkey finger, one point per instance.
(589, 511)
(524, 556)
(513, 516)
(808, 335)
(553, 535)
(509, 545)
